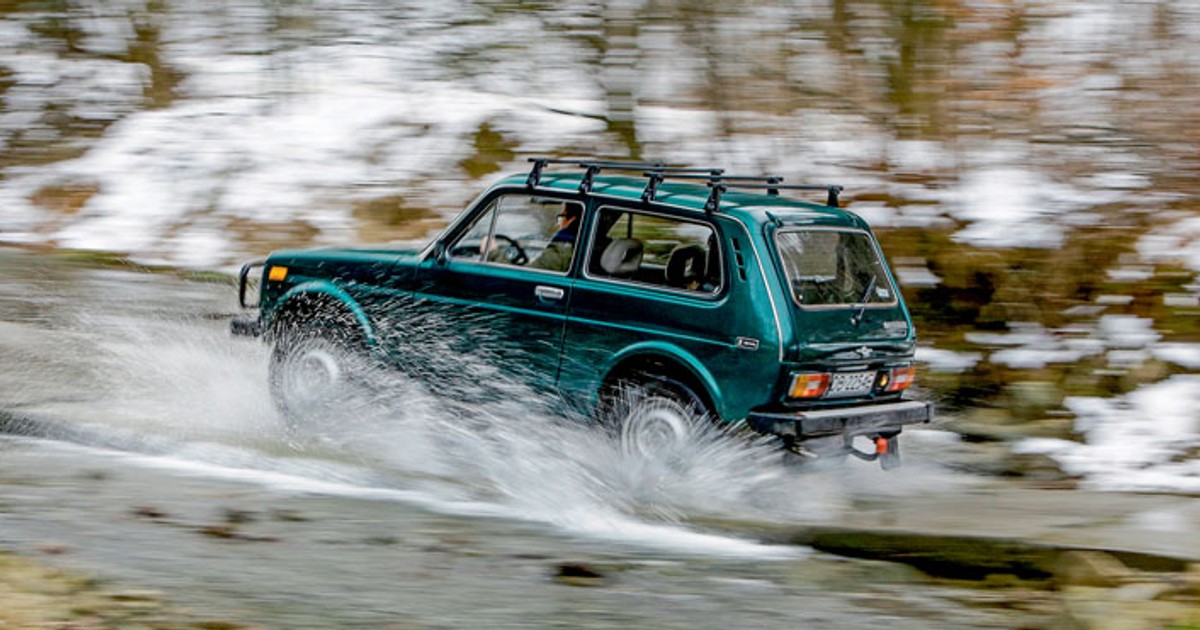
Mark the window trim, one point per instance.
(702, 295)
(782, 270)
(464, 227)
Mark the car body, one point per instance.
(700, 292)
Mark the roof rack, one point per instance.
(655, 172)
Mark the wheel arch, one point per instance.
(308, 300)
(663, 361)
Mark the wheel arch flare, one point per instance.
(666, 360)
(307, 299)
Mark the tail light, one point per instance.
(899, 378)
(809, 385)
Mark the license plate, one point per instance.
(850, 384)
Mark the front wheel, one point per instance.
(316, 369)
(656, 417)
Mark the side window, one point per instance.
(656, 250)
(523, 230)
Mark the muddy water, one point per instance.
(141, 440)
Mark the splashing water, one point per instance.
(182, 392)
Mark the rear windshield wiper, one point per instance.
(856, 319)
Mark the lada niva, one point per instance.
(651, 297)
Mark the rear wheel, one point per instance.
(655, 416)
(317, 368)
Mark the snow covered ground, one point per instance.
(275, 123)
(1146, 441)
(287, 115)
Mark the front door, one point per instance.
(495, 303)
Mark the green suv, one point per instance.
(650, 298)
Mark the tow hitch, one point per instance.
(887, 450)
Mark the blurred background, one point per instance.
(1029, 165)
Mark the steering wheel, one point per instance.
(513, 252)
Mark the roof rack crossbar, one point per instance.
(593, 167)
(656, 172)
(655, 177)
(769, 179)
(610, 164)
(833, 192)
(689, 171)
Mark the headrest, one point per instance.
(622, 257)
(685, 265)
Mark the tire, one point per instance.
(317, 370)
(655, 417)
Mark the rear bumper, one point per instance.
(848, 421)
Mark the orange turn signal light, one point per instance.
(277, 274)
(809, 385)
(900, 378)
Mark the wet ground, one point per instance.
(140, 446)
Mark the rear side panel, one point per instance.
(729, 346)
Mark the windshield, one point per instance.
(833, 268)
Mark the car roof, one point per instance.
(746, 206)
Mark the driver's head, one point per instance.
(568, 222)
(568, 215)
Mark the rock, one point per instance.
(578, 574)
(1041, 468)
(1091, 568)
(954, 557)
(149, 511)
(218, 531)
(234, 516)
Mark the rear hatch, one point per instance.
(848, 318)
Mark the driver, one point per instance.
(558, 252)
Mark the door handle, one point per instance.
(549, 293)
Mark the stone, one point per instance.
(578, 574)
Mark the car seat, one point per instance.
(622, 258)
(686, 266)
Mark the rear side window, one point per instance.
(655, 250)
(833, 267)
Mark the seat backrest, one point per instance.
(686, 266)
(622, 257)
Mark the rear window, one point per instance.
(827, 267)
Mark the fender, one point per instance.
(676, 355)
(327, 290)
